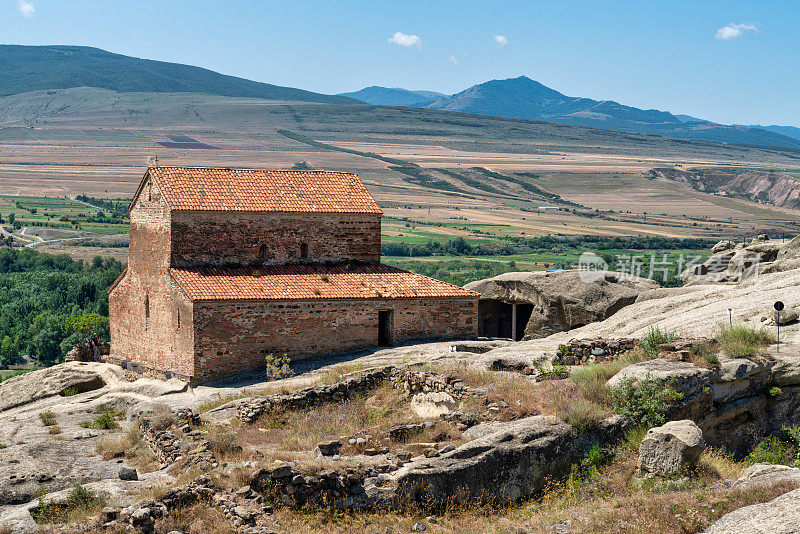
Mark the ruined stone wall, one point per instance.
(217, 238)
(236, 335)
(150, 317)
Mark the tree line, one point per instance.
(48, 303)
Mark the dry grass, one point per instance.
(130, 446)
(219, 401)
(284, 434)
(197, 519)
(47, 418)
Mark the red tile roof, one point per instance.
(301, 282)
(198, 188)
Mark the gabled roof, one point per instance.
(200, 188)
(311, 281)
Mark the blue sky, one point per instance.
(728, 61)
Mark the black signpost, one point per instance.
(778, 308)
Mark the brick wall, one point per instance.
(215, 238)
(236, 335)
(146, 306)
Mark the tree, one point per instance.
(9, 352)
(85, 324)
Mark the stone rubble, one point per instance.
(586, 351)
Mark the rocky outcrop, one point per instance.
(735, 404)
(766, 474)
(670, 448)
(82, 352)
(433, 404)
(735, 262)
(561, 300)
(69, 378)
(778, 516)
(515, 460)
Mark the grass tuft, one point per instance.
(742, 341)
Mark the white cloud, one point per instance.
(407, 41)
(453, 59)
(501, 40)
(732, 31)
(26, 8)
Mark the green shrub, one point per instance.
(107, 420)
(655, 337)
(550, 371)
(583, 414)
(775, 391)
(80, 503)
(645, 401)
(48, 418)
(70, 392)
(277, 367)
(741, 341)
(773, 451)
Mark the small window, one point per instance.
(304, 250)
(178, 322)
(262, 254)
(146, 311)
(149, 191)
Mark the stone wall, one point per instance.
(233, 336)
(584, 351)
(217, 238)
(251, 409)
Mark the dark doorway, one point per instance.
(524, 312)
(385, 328)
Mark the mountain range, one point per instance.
(524, 98)
(31, 68)
(27, 69)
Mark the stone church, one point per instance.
(228, 265)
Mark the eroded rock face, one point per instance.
(562, 300)
(433, 404)
(515, 460)
(735, 262)
(778, 516)
(765, 474)
(670, 448)
(55, 380)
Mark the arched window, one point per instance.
(149, 191)
(304, 250)
(262, 253)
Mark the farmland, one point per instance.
(438, 176)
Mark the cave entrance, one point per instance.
(504, 319)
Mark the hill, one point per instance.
(527, 99)
(31, 68)
(394, 96)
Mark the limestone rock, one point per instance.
(681, 376)
(433, 404)
(126, 473)
(562, 300)
(55, 380)
(516, 460)
(739, 378)
(778, 516)
(765, 474)
(722, 246)
(668, 449)
(329, 448)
